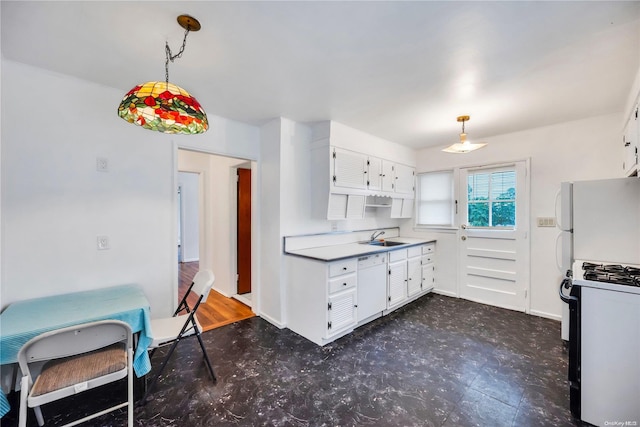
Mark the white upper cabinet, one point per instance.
(630, 141)
(374, 174)
(404, 176)
(388, 176)
(401, 208)
(351, 178)
(358, 171)
(349, 169)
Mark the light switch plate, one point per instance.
(546, 221)
(102, 164)
(103, 243)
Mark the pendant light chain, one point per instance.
(170, 57)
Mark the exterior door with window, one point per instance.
(494, 247)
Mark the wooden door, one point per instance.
(244, 231)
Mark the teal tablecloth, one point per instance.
(23, 320)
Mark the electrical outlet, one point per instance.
(103, 243)
(102, 164)
(546, 221)
(334, 225)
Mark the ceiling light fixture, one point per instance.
(463, 146)
(163, 106)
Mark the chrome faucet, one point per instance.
(376, 234)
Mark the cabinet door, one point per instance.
(630, 141)
(414, 276)
(388, 176)
(341, 311)
(349, 169)
(404, 179)
(397, 284)
(374, 174)
(407, 208)
(355, 207)
(396, 208)
(428, 277)
(337, 206)
(401, 208)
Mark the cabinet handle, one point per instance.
(344, 284)
(344, 268)
(628, 143)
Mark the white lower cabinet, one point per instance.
(341, 311)
(428, 268)
(322, 297)
(411, 274)
(397, 281)
(414, 273)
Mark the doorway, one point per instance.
(217, 235)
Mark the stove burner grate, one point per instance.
(612, 273)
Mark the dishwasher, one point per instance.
(372, 285)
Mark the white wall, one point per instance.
(190, 195)
(55, 203)
(271, 289)
(579, 150)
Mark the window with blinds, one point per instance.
(491, 198)
(435, 199)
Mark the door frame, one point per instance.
(526, 260)
(255, 222)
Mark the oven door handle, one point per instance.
(566, 283)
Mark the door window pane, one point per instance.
(491, 198)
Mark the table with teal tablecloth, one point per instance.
(23, 320)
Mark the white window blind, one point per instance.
(435, 199)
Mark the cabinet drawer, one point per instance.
(428, 259)
(342, 283)
(428, 249)
(414, 251)
(397, 255)
(342, 267)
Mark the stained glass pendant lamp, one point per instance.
(464, 146)
(163, 106)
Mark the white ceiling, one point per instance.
(402, 71)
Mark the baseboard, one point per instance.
(546, 315)
(246, 301)
(273, 321)
(222, 292)
(447, 293)
(191, 260)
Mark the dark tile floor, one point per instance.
(439, 361)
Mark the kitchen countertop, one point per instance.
(350, 250)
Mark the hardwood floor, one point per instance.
(218, 309)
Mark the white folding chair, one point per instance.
(78, 358)
(169, 331)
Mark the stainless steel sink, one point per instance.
(383, 243)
